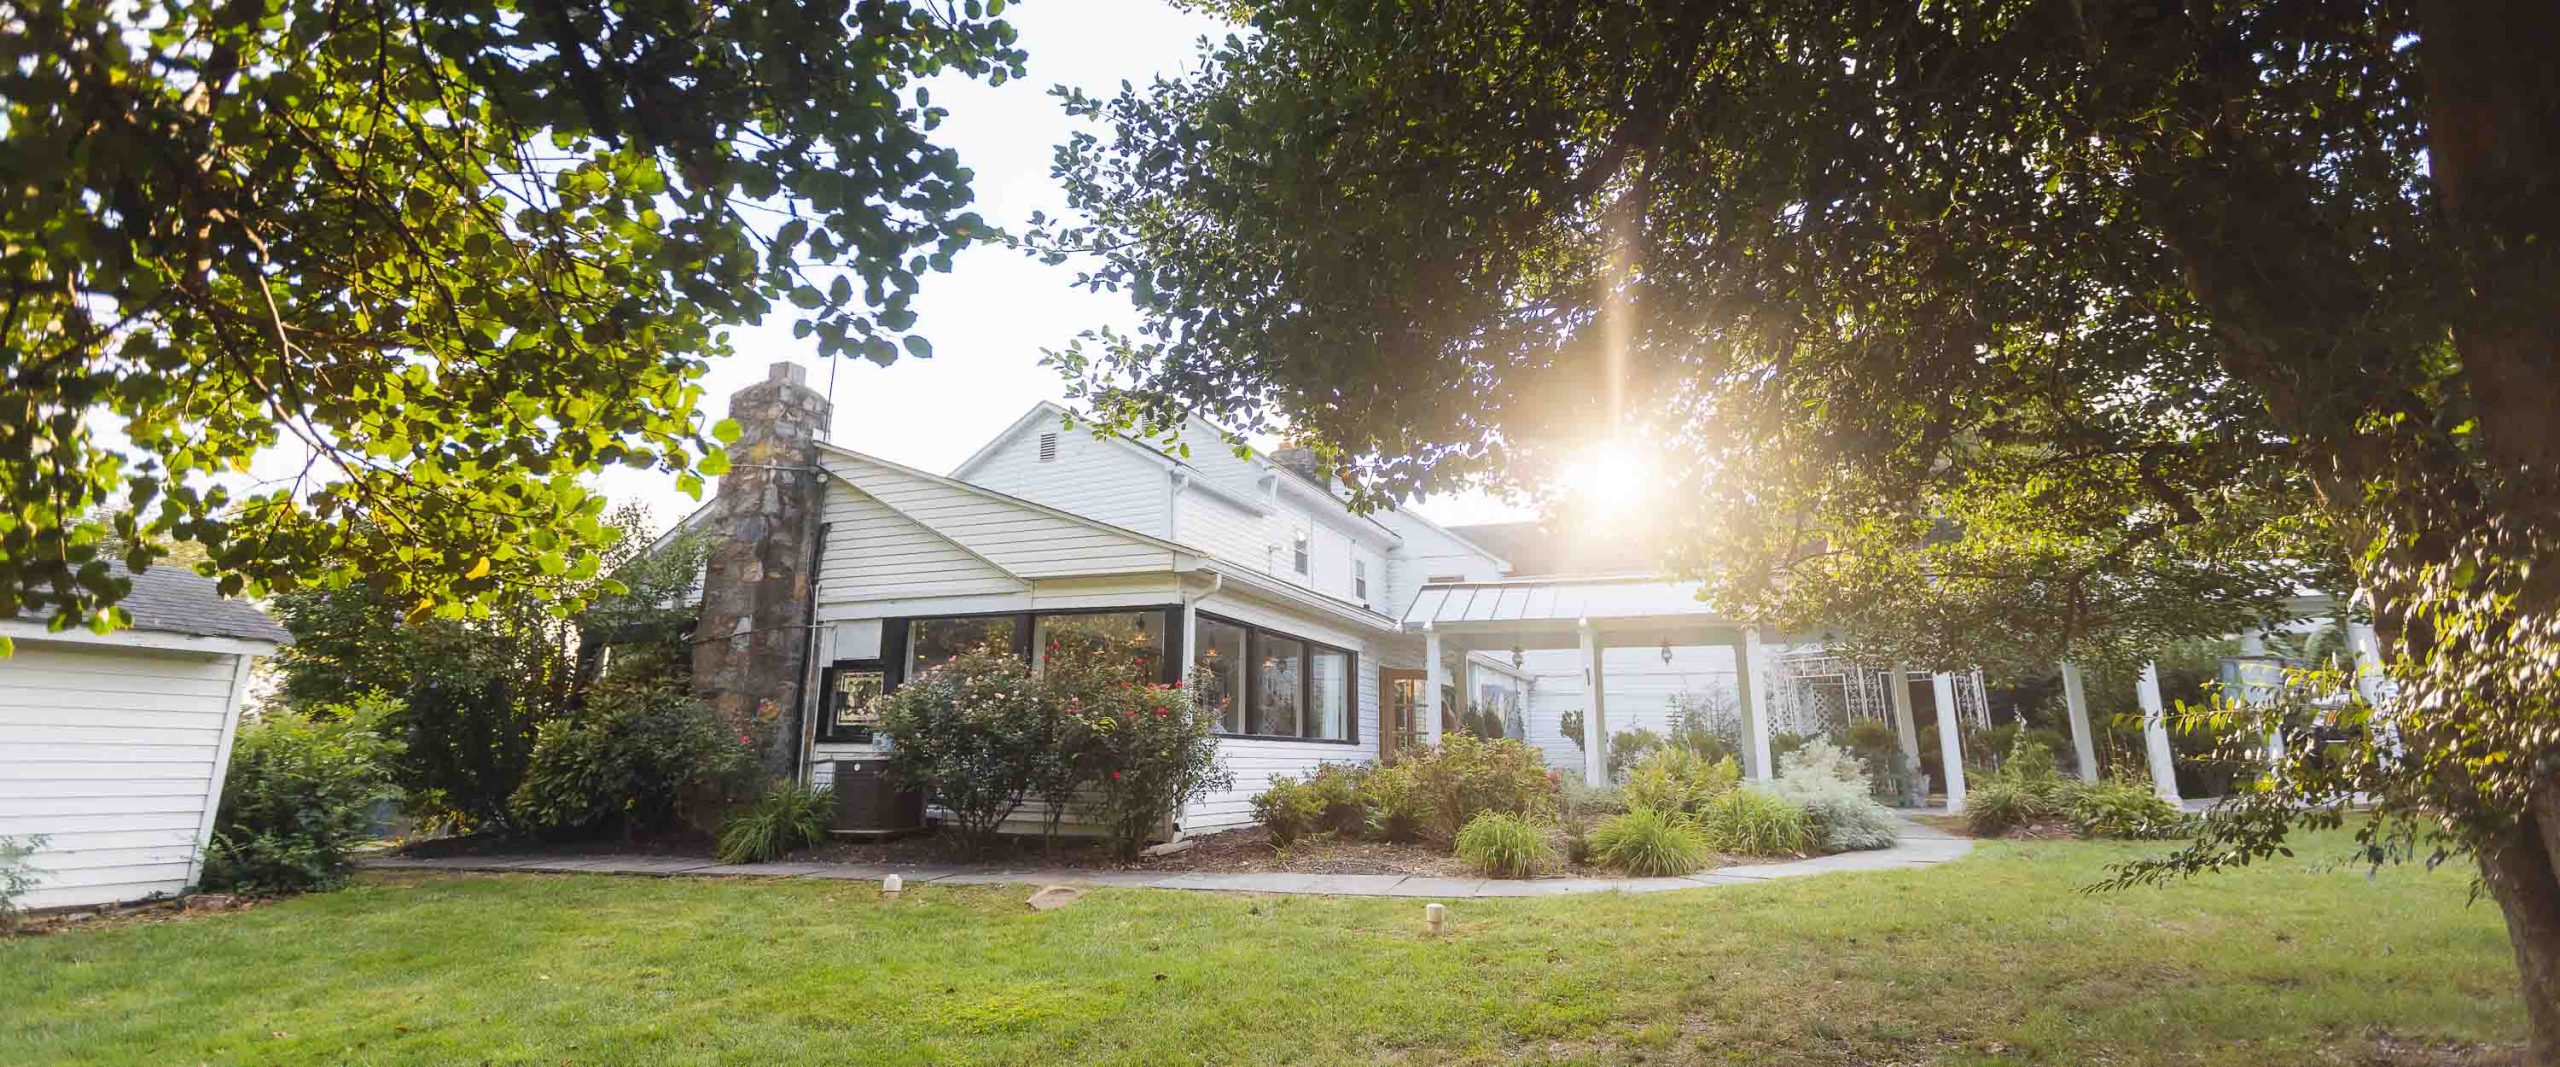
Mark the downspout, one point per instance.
(810, 672)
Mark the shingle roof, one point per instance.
(171, 599)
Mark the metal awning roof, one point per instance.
(1553, 603)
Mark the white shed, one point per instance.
(112, 747)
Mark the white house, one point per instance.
(112, 747)
(1328, 635)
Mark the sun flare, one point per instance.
(1609, 478)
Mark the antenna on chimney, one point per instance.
(826, 426)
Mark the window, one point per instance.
(1266, 684)
(1360, 580)
(1223, 671)
(1048, 447)
(1279, 687)
(934, 642)
(1131, 642)
(1300, 559)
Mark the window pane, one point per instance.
(1128, 643)
(1329, 682)
(933, 642)
(1278, 665)
(1221, 663)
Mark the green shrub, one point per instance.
(1290, 810)
(1391, 802)
(1679, 781)
(2000, 805)
(975, 734)
(1339, 787)
(1649, 842)
(635, 759)
(1466, 777)
(788, 817)
(1579, 807)
(17, 876)
(299, 796)
(1755, 822)
(1151, 752)
(1505, 846)
(1832, 787)
(1626, 747)
(2122, 808)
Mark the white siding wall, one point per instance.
(1221, 528)
(110, 753)
(1101, 479)
(874, 553)
(1638, 687)
(1253, 762)
(1428, 552)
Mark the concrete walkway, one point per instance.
(1921, 846)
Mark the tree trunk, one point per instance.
(2522, 876)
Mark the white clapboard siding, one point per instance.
(1106, 479)
(109, 752)
(875, 553)
(1024, 539)
(1638, 687)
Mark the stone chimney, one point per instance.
(750, 653)
(1301, 459)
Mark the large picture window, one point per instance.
(1223, 672)
(934, 642)
(1262, 683)
(1128, 643)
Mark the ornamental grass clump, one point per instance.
(788, 817)
(1679, 781)
(1649, 842)
(1506, 846)
(1752, 821)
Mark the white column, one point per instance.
(1751, 688)
(1903, 726)
(2155, 733)
(1942, 688)
(2257, 692)
(2367, 646)
(2075, 702)
(1436, 674)
(1595, 713)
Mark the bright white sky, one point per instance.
(992, 315)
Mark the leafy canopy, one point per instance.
(456, 254)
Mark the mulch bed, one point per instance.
(1235, 851)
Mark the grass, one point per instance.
(1993, 959)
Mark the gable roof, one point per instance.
(1539, 549)
(1052, 411)
(1022, 538)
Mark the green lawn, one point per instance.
(1994, 959)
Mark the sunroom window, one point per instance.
(1262, 683)
(934, 642)
(1129, 643)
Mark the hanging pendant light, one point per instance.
(1518, 657)
(1666, 652)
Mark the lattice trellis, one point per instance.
(1815, 692)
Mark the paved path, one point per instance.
(1921, 846)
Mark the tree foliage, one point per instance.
(454, 254)
(2059, 328)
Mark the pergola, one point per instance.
(1592, 614)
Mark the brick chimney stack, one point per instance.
(750, 654)
(1301, 459)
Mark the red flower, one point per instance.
(1115, 776)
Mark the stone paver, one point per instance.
(1921, 846)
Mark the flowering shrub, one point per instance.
(1150, 751)
(973, 734)
(1466, 777)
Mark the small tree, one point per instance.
(299, 796)
(974, 735)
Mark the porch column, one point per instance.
(1751, 687)
(1435, 675)
(1904, 729)
(1942, 689)
(1595, 703)
(2367, 646)
(2155, 733)
(2256, 692)
(2075, 700)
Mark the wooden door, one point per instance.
(1399, 711)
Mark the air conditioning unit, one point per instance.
(870, 802)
